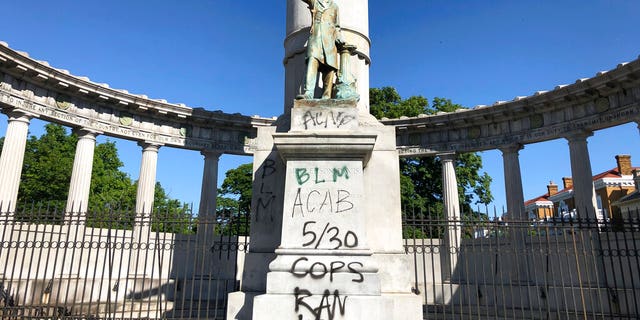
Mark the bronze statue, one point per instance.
(322, 53)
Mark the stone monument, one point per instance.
(326, 234)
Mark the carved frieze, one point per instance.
(503, 133)
(122, 124)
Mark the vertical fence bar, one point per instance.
(611, 295)
(633, 252)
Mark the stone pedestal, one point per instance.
(323, 259)
(325, 231)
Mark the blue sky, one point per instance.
(227, 55)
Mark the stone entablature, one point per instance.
(55, 95)
(608, 99)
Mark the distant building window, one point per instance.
(563, 209)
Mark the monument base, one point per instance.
(326, 232)
(240, 305)
(329, 305)
(324, 115)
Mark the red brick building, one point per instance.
(610, 187)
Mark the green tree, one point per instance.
(230, 219)
(421, 178)
(48, 161)
(171, 215)
(234, 203)
(111, 188)
(237, 184)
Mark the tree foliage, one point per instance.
(234, 201)
(421, 178)
(237, 184)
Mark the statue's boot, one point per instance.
(327, 81)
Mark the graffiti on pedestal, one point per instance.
(327, 305)
(348, 239)
(266, 197)
(319, 270)
(317, 192)
(326, 119)
(324, 207)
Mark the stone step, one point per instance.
(195, 313)
(187, 310)
(201, 290)
(480, 312)
(451, 312)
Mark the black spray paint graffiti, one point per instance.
(316, 196)
(318, 270)
(327, 304)
(308, 203)
(349, 239)
(319, 119)
(265, 197)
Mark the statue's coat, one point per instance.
(325, 29)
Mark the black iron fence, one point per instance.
(118, 265)
(481, 266)
(174, 265)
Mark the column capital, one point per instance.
(18, 115)
(84, 133)
(150, 146)
(210, 154)
(447, 156)
(511, 148)
(578, 135)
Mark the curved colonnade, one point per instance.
(606, 100)
(33, 89)
(571, 112)
(30, 88)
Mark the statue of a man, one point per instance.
(322, 54)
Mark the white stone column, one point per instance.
(147, 180)
(513, 182)
(141, 261)
(80, 185)
(209, 190)
(516, 214)
(583, 191)
(11, 160)
(451, 202)
(208, 195)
